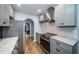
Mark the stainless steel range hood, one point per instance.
(50, 14)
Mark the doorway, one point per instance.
(28, 25)
(29, 28)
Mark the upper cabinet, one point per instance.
(5, 14)
(65, 15)
(11, 11)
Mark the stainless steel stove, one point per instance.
(45, 41)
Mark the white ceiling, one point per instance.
(32, 8)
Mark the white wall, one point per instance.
(22, 16)
(70, 32)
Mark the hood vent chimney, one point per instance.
(50, 14)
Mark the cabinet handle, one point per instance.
(57, 50)
(62, 23)
(4, 22)
(57, 43)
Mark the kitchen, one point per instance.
(53, 27)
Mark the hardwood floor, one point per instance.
(32, 47)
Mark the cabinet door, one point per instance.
(59, 15)
(11, 12)
(1, 14)
(4, 15)
(70, 12)
(65, 15)
(38, 37)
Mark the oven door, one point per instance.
(45, 44)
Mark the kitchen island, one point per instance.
(7, 45)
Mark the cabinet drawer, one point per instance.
(60, 44)
(59, 50)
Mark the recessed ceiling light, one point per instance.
(39, 10)
(19, 4)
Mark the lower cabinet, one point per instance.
(38, 37)
(57, 47)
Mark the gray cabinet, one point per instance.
(65, 15)
(38, 37)
(11, 11)
(5, 13)
(58, 47)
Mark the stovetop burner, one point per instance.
(48, 34)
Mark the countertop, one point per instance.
(62, 39)
(7, 45)
(65, 40)
(47, 34)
